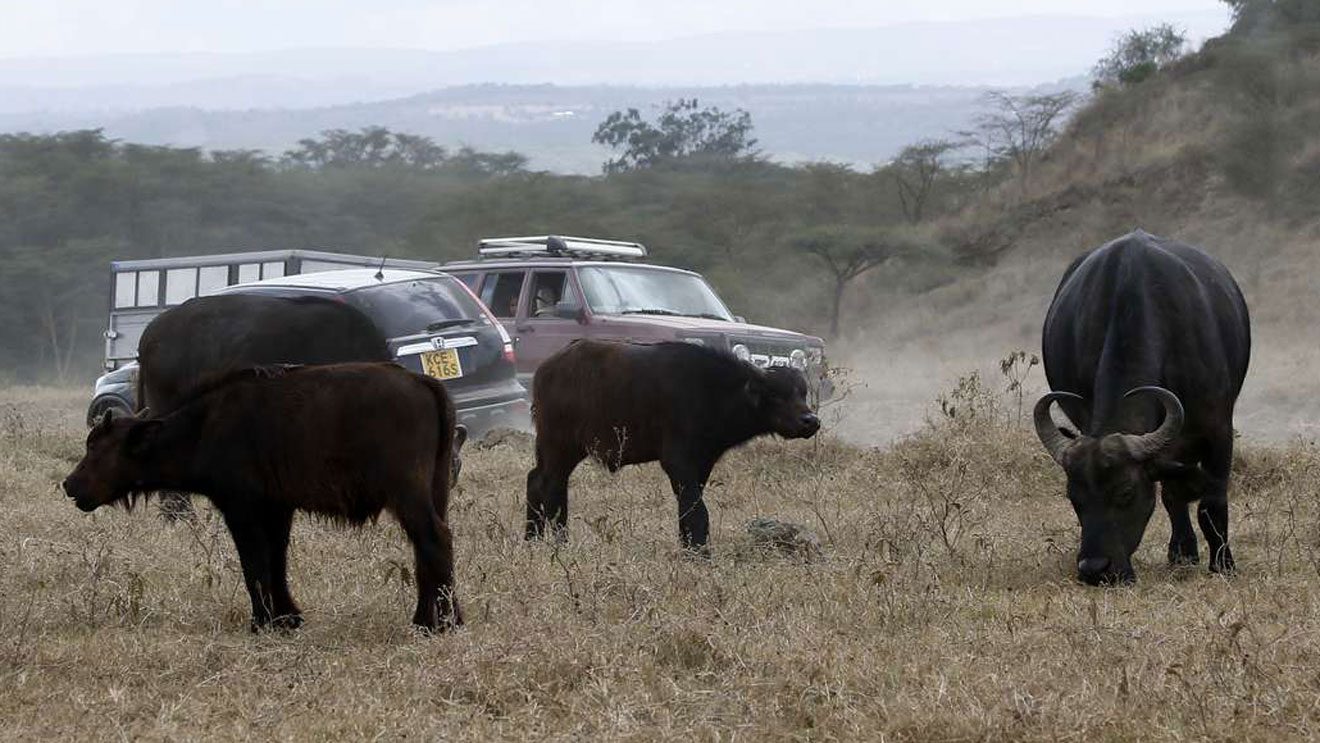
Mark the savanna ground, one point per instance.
(943, 607)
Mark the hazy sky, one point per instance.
(71, 27)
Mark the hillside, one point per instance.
(1220, 150)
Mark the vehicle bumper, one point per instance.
(480, 418)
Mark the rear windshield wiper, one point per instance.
(442, 324)
(708, 316)
(651, 312)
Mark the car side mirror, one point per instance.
(740, 318)
(571, 311)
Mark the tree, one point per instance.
(1019, 129)
(846, 252)
(372, 146)
(915, 171)
(683, 131)
(1137, 55)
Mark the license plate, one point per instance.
(442, 364)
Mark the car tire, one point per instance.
(115, 406)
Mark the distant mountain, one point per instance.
(853, 95)
(553, 124)
(1005, 51)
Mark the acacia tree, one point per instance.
(372, 146)
(846, 253)
(915, 172)
(1019, 129)
(1138, 55)
(683, 130)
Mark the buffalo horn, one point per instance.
(1055, 442)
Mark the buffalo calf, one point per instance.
(344, 441)
(243, 331)
(681, 404)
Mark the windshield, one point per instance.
(622, 290)
(414, 307)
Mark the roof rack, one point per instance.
(556, 245)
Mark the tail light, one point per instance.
(508, 354)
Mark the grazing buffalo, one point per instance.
(209, 336)
(681, 404)
(1146, 345)
(345, 441)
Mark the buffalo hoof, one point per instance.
(1222, 562)
(287, 622)
(1184, 554)
(282, 623)
(440, 627)
(697, 552)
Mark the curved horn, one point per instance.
(1145, 446)
(1055, 442)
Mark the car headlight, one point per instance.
(741, 352)
(816, 355)
(798, 359)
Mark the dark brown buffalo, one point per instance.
(1146, 346)
(207, 337)
(345, 441)
(681, 404)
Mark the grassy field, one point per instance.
(943, 608)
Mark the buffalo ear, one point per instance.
(142, 437)
(460, 436)
(102, 423)
(755, 390)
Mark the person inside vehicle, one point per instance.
(549, 290)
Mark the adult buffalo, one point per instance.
(344, 441)
(1146, 345)
(681, 404)
(207, 337)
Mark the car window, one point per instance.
(411, 307)
(547, 291)
(500, 292)
(471, 279)
(625, 290)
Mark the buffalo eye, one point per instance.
(141, 438)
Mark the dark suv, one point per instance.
(434, 325)
(551, 290)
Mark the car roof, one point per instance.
(541, 262)
(342, 280)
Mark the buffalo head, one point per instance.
(115, 463)
(1111, 483)
(779, 397)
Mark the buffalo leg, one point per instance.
(1212, 512)
(254, 551)
(287, 615)
(1182, 542)
(689, 483)
(433, 549)
(547, 497)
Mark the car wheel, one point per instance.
(113, 405)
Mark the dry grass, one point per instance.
(943, 610)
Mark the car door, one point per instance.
(501, 291)
(540, 330)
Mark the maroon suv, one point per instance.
(550, 290)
